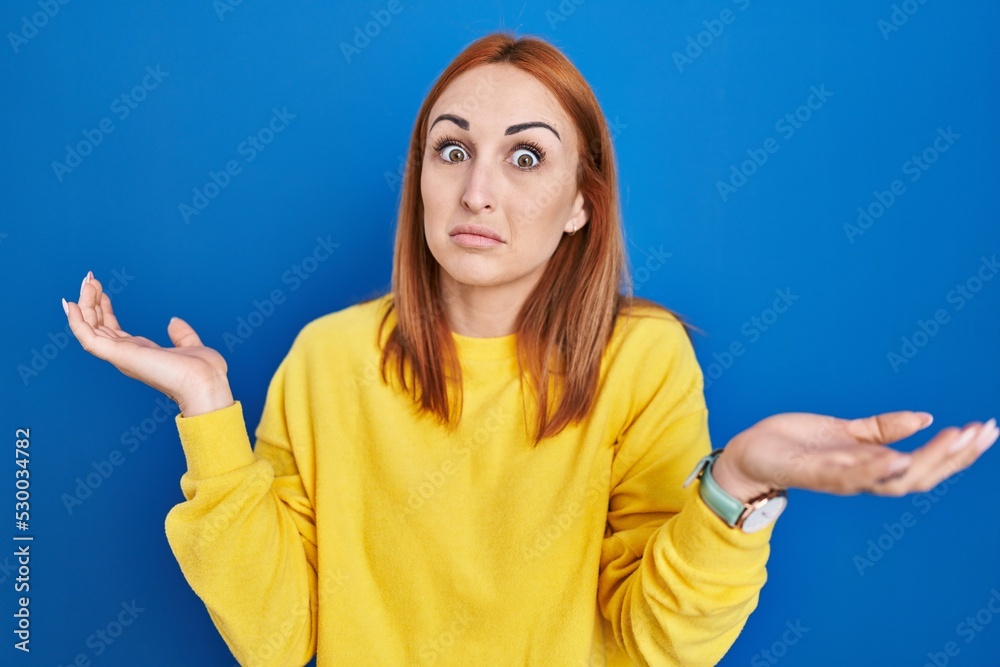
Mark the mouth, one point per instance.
(475, 240)
(475, 236)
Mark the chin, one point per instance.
(475, 279)
(473, 276)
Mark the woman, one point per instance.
(492, 463)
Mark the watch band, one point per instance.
(719, 500)
(730, 509)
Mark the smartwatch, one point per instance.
(750, 516)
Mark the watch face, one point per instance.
(762, 516)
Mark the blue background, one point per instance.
(680, 126)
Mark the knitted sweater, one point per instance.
(360, 530)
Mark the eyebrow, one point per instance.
(513, 129)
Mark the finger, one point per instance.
(930, 461)
(87, 302)
(854, 471)
(99, 346)
(114, 334)
(959, 459)
(888, 427)
(98, 293)
(109, 315)
(181, 333)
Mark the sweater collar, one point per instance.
(484, 349)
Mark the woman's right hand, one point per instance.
(192, 375)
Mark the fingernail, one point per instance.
(964, 439)
(65, 306)
(84, 282)
(928, 419)
(988, 437)
(90, 274)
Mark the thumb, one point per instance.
(889, 427)
(181, 334)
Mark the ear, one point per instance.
(580, 214)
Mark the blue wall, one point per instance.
(839, 155)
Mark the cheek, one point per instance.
(542, 203)
(437, 193)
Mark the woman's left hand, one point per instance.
(846, 456)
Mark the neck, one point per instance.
(484, 311)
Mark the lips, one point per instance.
(476, 230)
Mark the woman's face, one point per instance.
(501, 155)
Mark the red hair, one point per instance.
(556, 347)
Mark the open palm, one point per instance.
(850, 456)
(188, 372)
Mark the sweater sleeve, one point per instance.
(676, 583)
(245, 538)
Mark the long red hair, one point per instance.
(567, 320)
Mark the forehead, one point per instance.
(498, 95)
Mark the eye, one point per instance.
(452, 152)
(525, 159)
(527, 156)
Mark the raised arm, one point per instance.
(676, 583)
(245, 535)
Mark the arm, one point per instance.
(676, 583)
(245, 537)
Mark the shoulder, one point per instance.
(651, 352)
(651, 331)
(349, 328)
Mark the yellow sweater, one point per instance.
(358, 530)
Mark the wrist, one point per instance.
(728, 474)
(213, 396)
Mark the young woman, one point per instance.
(495, 462)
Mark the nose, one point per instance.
(479, 188)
